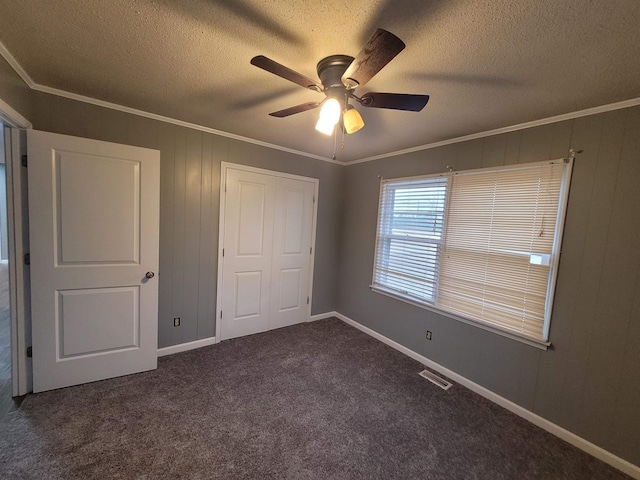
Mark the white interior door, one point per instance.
(94, 229)
(291, 253)
(268, 222)
(248, 241)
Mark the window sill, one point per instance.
(504, 333)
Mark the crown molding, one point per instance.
(497, 131)
(174, 121)
(133, 111)
(6, 54)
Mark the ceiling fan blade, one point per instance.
(396, 101)
(381, 48)
(297, 109)
(274, 67)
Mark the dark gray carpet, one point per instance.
(314, 401)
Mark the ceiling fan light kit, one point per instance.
(329, 116)
(352, 120)
(340, 75)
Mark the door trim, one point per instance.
(15, 146)
(11, 117)
(224, 166)
(18, 238)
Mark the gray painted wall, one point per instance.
(589, 383)
(14, 91)
(189, 205)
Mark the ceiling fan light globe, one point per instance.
(330, 111)
(352, 120)
(329, 116)
(324, 126)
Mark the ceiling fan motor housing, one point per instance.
(330, 71)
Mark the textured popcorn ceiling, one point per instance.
(486, 64)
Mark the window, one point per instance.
(481, 246)
(410, 237)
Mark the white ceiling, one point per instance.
(485, 64)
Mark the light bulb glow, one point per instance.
(329, 116)
(325, 127)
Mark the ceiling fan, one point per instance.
(340, 75)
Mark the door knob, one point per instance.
(150, 275)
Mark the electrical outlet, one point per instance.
(176, 322)
(428, 335)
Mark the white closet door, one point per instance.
(293, 223)
(248, 244)
(267, 235)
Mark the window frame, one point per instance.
(565, 182)
(383, 241)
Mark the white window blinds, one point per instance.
(481, 245)
(501, 227)
(409, 237)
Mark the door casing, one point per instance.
(18, 240)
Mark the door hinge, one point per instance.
(310, 250)
(24, 160)
(314, 199)
(220, 313)
(27, 259)
(307, 300)
(225, 187)
(29, 352)
(223, 252)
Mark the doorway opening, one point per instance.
(15, 312)
(6, 379)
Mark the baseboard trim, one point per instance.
(322, 316)
(184, 347)
(584, 445)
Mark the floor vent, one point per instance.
(433, 378)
